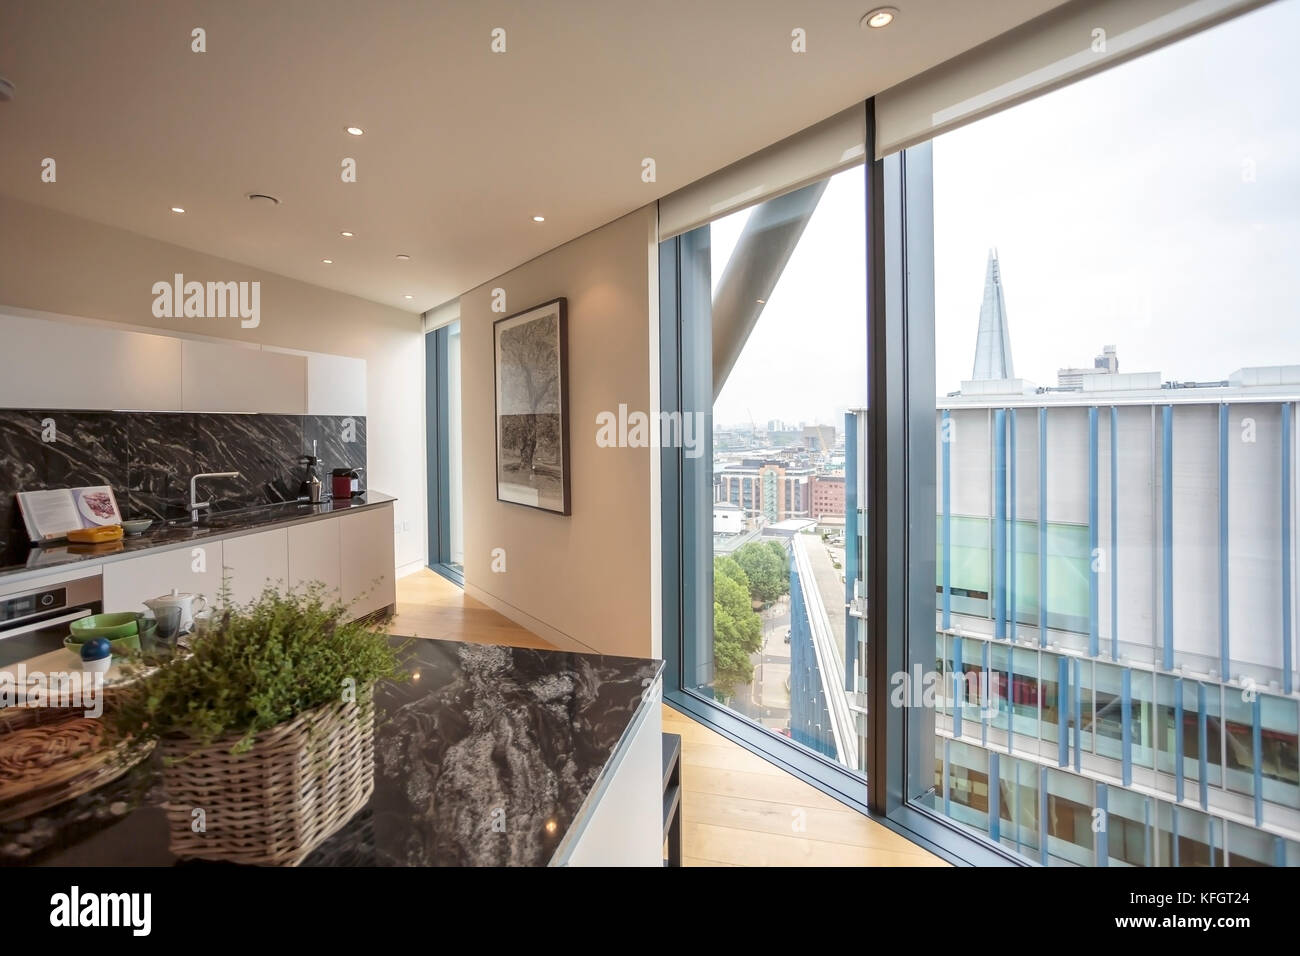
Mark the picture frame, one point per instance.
(530, 351)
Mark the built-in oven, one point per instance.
(35, 621)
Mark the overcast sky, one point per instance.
(1122, 212)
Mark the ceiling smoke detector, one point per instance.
(262, 198)
(6, 90)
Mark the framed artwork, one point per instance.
(531, 353)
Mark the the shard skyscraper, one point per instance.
(993, 345)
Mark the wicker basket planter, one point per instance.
(272, 805)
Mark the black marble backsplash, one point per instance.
(148, 457)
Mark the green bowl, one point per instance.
(111, 626)
(121, 646)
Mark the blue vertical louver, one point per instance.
(1167, 534)
(1094, 580)
(1077, 695)
(995, 797)
(1225, 667)
(1042, 815)
(1256, 746)
(999, 522)
(985, 692)
(1013, 605)
(1100, 844)
(958, 686)
(1202, 755)
(946, 456)
(1126, 726)
(1063, 711)
(1114, 533)
(1286, 548)
(1178, 740)
(1042, 527)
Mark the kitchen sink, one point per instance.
(238, 518)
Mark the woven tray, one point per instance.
(50, 755)
(298, 785)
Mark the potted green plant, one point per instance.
(265, 729)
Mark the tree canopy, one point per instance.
(737, 629)
(766, 567)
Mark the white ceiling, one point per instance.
(461, 147)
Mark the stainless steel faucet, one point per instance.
(195, 505)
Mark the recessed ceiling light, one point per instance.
(761, 301)
(408, 297)
(879, 17)
(402, 257)
(355, 130)
(177, 209)
(539, 219)
(346, 235)
(328, 262)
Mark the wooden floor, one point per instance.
(737, 809)
(740, 810)
(428, 605)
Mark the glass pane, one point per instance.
(1117, 379)
(789, 366)
(457, 556)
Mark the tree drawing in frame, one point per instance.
(532, 413)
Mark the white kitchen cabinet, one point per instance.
(367, 563)
(253, 561)
(196, 569)
(53, 365)
(625, 827)
(230, 378)
(314, 555)
(336, 385)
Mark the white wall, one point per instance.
(53, 262)
(585, 581)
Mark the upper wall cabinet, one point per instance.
(65, 365)
(227, 378)
(336, 385)
(54, 364)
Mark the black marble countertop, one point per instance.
(29, 560)
(486, 757)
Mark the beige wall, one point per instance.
(53, 262)
(584, 581)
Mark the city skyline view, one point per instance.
(1119, 231)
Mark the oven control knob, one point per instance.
(47, 600)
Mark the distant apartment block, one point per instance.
(764, 488)
(826, 494)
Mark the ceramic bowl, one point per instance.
(111, 626)
(135, 526)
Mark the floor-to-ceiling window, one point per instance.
(1067, 570)
(1111, 339)
(443, 448)
(775, 526)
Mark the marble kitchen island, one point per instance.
(487, 756)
